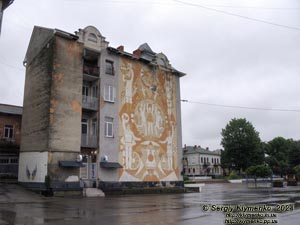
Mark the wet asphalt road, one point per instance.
(18, 206)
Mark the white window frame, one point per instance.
(107, 125)
(9, 129)
(109, 93)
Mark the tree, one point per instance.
(277, 151)
(297, 172)
(258, 171)
(294, 153)
(242, 145)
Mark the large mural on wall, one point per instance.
(147, 123)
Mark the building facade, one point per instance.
(198, 161)
(3, 5)
(10, 137)
(119, 110)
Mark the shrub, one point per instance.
(233, 176)
(186, 178)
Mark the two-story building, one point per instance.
(199, 161)
(120, 111)
(10, 136)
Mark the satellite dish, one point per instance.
(79, 158)
(104, 158)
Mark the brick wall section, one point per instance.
(15, 121)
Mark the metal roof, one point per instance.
(11, 109)
(199, 150)
(70, 164)
(112, 165)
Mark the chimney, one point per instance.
(199, 146)
(185, 146)
(137, 53)
(121, 48)
(207, 148)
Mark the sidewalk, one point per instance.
(13, 193)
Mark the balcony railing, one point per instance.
(89, 102)
(89, 141)
(91, 69)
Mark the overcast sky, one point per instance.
(235, 53)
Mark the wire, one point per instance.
(241, 107)
(12, 66)
(237, 15)
(252, 7)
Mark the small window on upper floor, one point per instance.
(8, 131)
(109, 67)
(92, 38)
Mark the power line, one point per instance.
(12, 66)
(241, 107)
(252, 7)
(237, 15)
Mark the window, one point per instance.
(94, 127)
(4, 160)
(92, 37)
(84, 126)
(109, 93)
(194, 170)
(8, 131)
(212, 160)
(201, 159)
(109, 67)
(95, 91)
(14, 160)
(85, 93)
(108, 127)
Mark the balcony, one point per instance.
(89, 141)
(91, 70)
(90, 102)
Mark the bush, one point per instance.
(47, 181)
(259, 171)
(190, 182)
(185, 178)
(297, 170)
(233, 176)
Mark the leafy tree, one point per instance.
(294, 153)
(242, 145)
(297, 170)
(258, 171)
(277, 151)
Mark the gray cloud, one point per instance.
(228, 60)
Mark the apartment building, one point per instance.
(10, 136)
(198, 161)
(98, 115)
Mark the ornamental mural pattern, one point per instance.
(147, 122)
